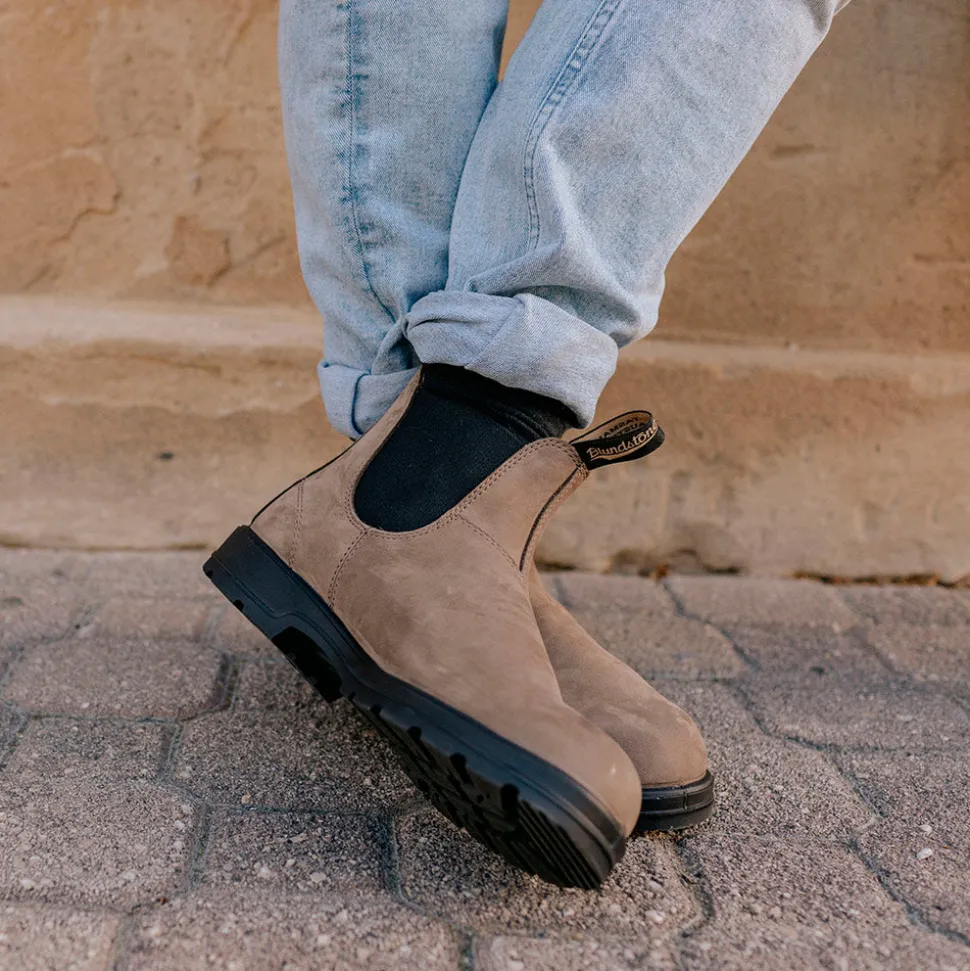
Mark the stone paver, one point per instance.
(635, 620)
(297, 852)
(807, 651)
(274, 685)
(444, 871)
(924, 801)
(936, 655)
(908, 605)
(329, 761)
(64, 748)
(20, 567)
(283, 747)
(661, 646)
(736, 601)
(155, 576)
(41, 938)
(578, 952)
(80, 823)
(173, 796)
(825, 709)
(93, 842)
(118, 676)
(233, 634)
(766, 785)
(804, 904)
(33, 617)
(142, 619)
(260, 930)
(38, 598)
(7, 656)
(10, 723)
(593, 590)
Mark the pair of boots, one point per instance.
(503, 711)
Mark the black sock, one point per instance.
(459, 429)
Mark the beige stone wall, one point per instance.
(141, 156)
(141, 151)
(849, 224)
(777, 461)
(811, 367)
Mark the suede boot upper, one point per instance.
(446, 607)
(662, 740)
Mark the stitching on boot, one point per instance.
(488, 538)
(496, 476)
(479, 490)
(555, 501)
(332, 589)
(294, 544)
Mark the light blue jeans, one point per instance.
(519, 229)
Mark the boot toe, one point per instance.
(671, 750)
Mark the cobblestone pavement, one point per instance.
(172, 796)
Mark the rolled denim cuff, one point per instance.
(522, 342)
(356, 400)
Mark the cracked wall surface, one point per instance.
(142, 152)
(141, 157)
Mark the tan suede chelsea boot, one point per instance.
(430, 632)
(662, 740)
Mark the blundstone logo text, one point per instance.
(623, 448)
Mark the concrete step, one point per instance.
(131, 426)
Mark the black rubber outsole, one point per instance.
(676, 807)
(516, 804)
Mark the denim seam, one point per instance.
(353, 402)
(352, 193)
(335, 580)
(567, 77)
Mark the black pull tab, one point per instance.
(622, 439)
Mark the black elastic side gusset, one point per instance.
(459, 428)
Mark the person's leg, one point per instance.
(439, 600)
(381, 100)
(616, 125)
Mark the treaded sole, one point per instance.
(670, 808)
(516, 804)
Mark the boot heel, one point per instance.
(239, 568)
